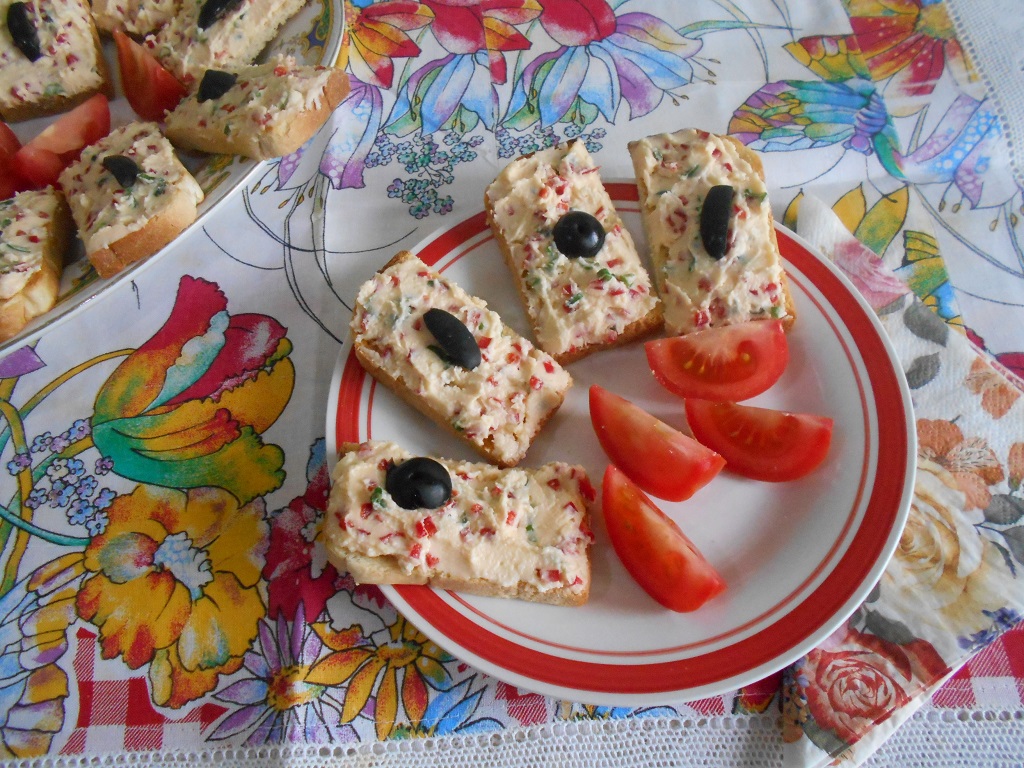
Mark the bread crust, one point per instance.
(161, 229)
(264, 143)
(385, 570)
(399, 387)
(55, 104)
(40, 292)
(752, 157)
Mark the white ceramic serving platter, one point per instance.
(798, 557)
(314, 36)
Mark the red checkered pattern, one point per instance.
(994, 678)
(116, 715)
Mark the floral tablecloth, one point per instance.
(163, 595)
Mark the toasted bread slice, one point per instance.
(674, 173)
(231, 40)
(70, 67)
(514, 533)
(270, 111)
(499, 406)
(136, 17)
(121, 224)
(35, 234)
(576, 305)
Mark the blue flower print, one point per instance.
(104, 465)
(97, 524)
(87, 486)
(19, 462)
(42, 442)
(79, 429)
(37, 498)
(81, 511)
(103, 498)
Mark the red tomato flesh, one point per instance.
(657, 554)
(9, 143)
(149, 88)
(727, 363)
(40, 162)
(661, 460)
(761, 443)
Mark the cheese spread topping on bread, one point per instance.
(500, 404)
(507, 527)
(264, 97)
(674, 173)
(70, 55)
(572, 302)
(233, 40)
(24, 221)
(104, 210)
(137, 17)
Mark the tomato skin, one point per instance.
(149, 88)
(761, 443)
(9, 143)
(36, 167)
(661, 460)
(71, 132)
(657, 554)
(726, 363)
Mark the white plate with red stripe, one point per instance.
(798, 557)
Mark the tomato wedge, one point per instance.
(653, 549)
(661, 460)
(727, 363)
(9, 143)
(41, 160)
(11, 181)
(761, 443)
(149, 88)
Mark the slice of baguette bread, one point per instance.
(70, 67)
(136, 17)
(576, 305)
(674, 173)
(499, 406)
(514, 533)
(35, 233)
(270, 111)
(234, 39)
(120, 224)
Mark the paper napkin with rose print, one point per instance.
(956, 580)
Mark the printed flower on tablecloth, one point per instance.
(401, 670)
(34, 618)
(174, 582)
(277, 702)
(944, 571)
(911, 41)
(450, 712)
(527, 708)
(970, 460)
(187, 408)
(377, 33)
(602, 60)
(855, 679)
(297, 572)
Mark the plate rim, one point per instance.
(56, 316)
(848, 602)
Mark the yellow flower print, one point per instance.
(174, 581)
(403, 665)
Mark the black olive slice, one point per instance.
(23, 31)
(578, 235)
(715, 216)
(123, 169)
(215, 10)
(215, 83)
(455, 339)
(419, 483)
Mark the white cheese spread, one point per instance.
(573, 303)
(504, 526)
(69, 63)
(25, 225)
(676, 171)
(104, 210)
(137, 17)
(500, 404)
(232, 41)
(264, 98)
